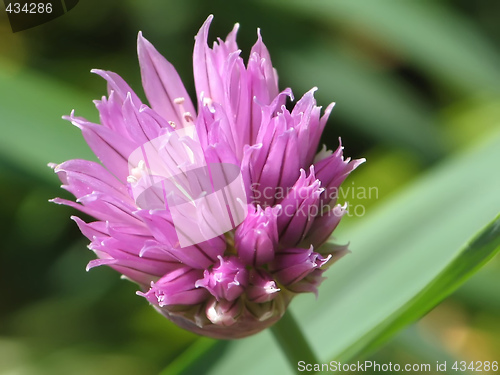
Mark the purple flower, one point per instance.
(293, 265)
(257, 237)
(177, 287)
(224, 283)
(262, 288)
(227, 281)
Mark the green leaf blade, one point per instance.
(475, 254)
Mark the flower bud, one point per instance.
(226, 281)
(224, 313)
(298, 209)
(292, 265)
(262, 287)
(257, 237)
(176, 288)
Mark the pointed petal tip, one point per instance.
(203, 32)
(328, 111)
(288, 92)
(100, 262)
(59, 201)
(70, 116)
(142, 42)
(358, 162)
(76, 219)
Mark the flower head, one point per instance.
(219, 214)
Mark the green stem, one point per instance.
(292, 341)
(190, 356)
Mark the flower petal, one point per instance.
(111, 148)
(206, 76)
(162, 84)
(82, 177)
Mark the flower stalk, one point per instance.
(292, 341)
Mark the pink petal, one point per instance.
(162, 84)
(111, 148)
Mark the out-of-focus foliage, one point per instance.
(416, 83)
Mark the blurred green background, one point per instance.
(415, 83)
